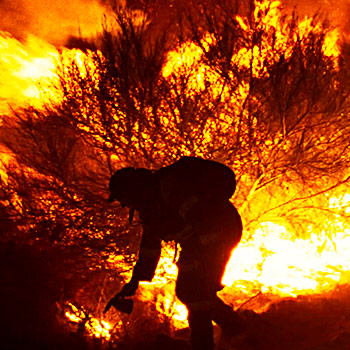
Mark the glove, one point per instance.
(129, 289)
(121, 304)
(120, 300)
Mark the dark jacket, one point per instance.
(207, 233)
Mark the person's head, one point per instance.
(131, 187)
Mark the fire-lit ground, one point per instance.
(312, 322)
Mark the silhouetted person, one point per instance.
(187, 202)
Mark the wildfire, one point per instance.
(188, 55)
(166, 274)
(287, 267)
(272, 260)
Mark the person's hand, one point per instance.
(120, 302)
(129, 289)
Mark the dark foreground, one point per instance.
(30, 293)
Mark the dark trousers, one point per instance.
(196, 287)
(200, 322)
(202, 262)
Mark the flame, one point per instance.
(288, 267)
(26, 71)
(272, 261)
(331, 41)
(188, 56)
(331, 44)
(165, 278)
(94, 327)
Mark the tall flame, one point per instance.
(26, 71)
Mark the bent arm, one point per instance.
(149, 254)
(144, 270)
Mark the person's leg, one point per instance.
(199, 303)
(200, 322)
(229, 320)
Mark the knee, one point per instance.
(200, 311)
(197, 317)
(181, 294)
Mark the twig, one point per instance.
(249, 300)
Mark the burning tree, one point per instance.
(254, 88)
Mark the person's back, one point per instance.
(194, 177)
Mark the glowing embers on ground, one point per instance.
(93, 326)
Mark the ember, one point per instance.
(94, 327)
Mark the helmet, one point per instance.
(127, 184)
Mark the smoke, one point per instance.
(57, 20)
(52, 20)
(336, 11)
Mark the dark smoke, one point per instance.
(336, 11)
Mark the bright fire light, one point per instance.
(166, 274)
(288, 267)
(26, 71)
(95, 327)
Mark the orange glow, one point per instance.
(94, 327)
(187, 59)
(26, 71)
(287, 267)
(273, 261)
(331, 41)
(331, 44)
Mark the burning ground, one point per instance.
(251, 86)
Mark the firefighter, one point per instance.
(205, 224)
